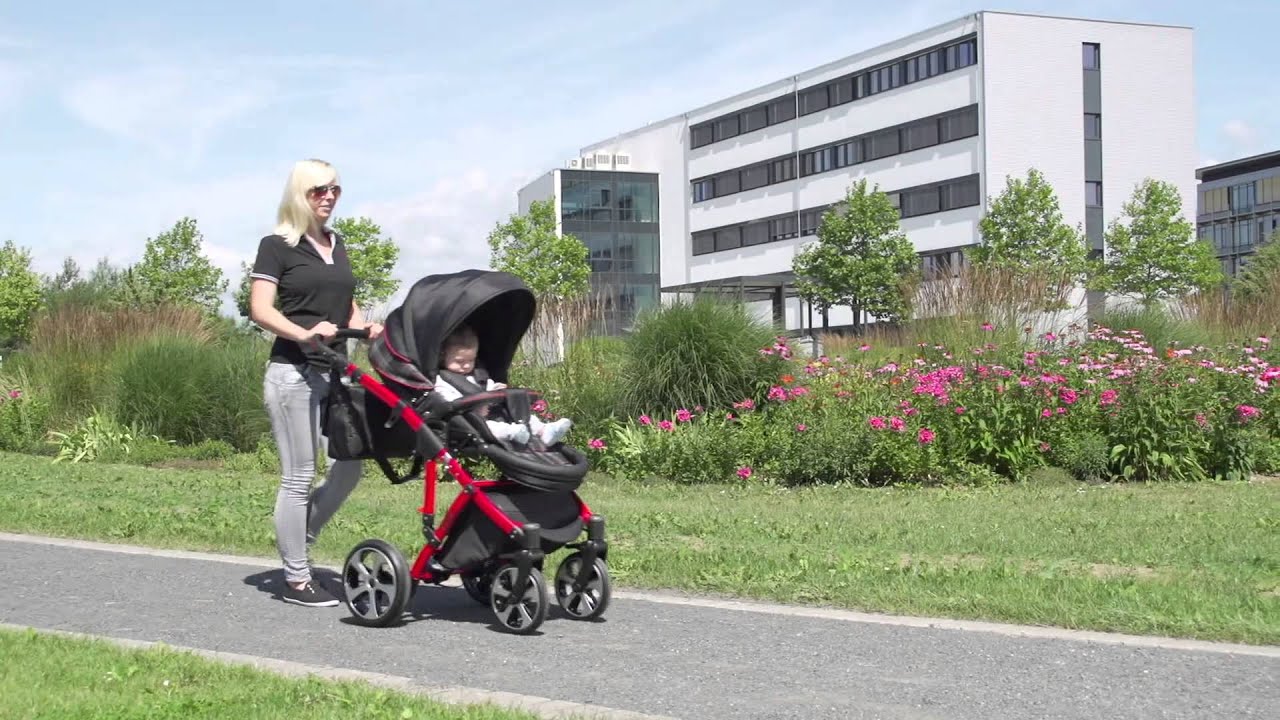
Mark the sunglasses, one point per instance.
(322, 190)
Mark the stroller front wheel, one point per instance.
(376, 584)
(588, 600)
(519, 610)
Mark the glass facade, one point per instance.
(1235, 218)
(615, 214)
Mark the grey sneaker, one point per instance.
(310, 595)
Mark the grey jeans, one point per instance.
(293, 398)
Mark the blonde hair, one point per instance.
(295, 216)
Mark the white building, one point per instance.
(938, 119)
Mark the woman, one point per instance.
(304, 266)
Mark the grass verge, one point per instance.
(49, 676)
(1200, 561)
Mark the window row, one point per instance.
(1242, 197)
(1240, 234)
(911, 202)
(897, 73)
(917, 135)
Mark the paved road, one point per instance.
(683, 661)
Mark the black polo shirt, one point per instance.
(309, 290)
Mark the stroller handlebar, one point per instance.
(317, 342)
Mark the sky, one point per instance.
(117, 120)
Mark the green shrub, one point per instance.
(1158, 326)
(190, 391)
(24, 417)
(1086, 455)
(702, 352)
(584, 387)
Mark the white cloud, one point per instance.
(1242, 136)
(172, 111)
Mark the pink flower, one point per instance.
(1045, 413)
(988, 327)
(15, 394)
(1068, 396)
(896, 424)
(744, 405)
(646, 420)
(925, 436)
(744, 472)
(801, 427)
(877, 422)
(864, 348)
(683, 415)
(539, 406)
(1246, 412)
(666, 425)
(960, 410)
(777, 393)
(1108, 397)
(596, 444)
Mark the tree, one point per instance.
(553, 265)
(1023, 230)
(1152, 251)
(1258, 279)
(861, 258)
(241, 295)
(20, 295)
(373, 257)
(173, 270)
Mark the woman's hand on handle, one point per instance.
(325, 329)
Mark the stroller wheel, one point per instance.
(376, 584)
(519, 610)
(592, 599)
(478, 587)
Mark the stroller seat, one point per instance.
(407, 354)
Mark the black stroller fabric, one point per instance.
(478, 539)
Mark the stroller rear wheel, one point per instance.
(376, 584)
(588, 601)
(519, 610)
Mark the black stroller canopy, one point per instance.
(497, 305)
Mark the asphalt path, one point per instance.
(687, 659)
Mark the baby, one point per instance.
(459, 355)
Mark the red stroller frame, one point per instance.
(510, 582)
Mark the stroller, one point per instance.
(497, 533)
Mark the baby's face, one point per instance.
(460, 359)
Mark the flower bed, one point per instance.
(1107, 406)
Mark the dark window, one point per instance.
(849, 153)
(920, 202)
(882, 144)
(1092, 126)
(726, 127)
(1093, 193)
(920, 135)
(961, 193)
(727, 183)
(703, 190)
(841, 91)
(784, 170)
(754, 119)
(812, 101)
(782, 110)
(755, 176)
(703, 243)
(960, 125)
(729, 238)
(967, 53)
(809, 221)
(755, 234)
(702, 135)
(783, 228)
(1092, 56)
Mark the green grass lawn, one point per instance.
(1199, 561)
(47, 676)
